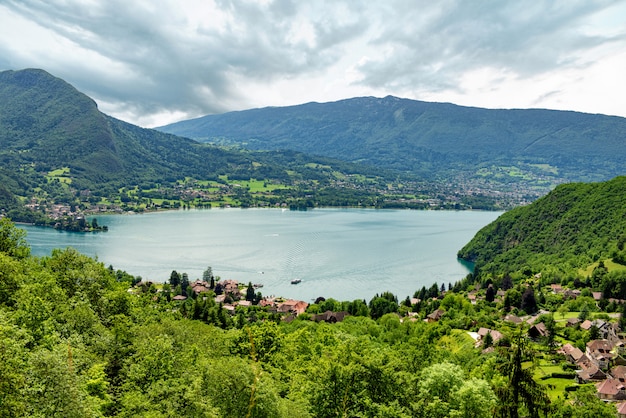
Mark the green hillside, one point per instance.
(572, 227)
(436, 140)
(56, 147)
(46, 124)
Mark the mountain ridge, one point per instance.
(428, 138)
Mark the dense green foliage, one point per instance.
(433, 139)
(572, 227)
(75, 342)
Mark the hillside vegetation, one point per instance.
(534, 147)
(572, 227)
(78, 339)
(57, 148)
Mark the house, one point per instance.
(611, 390)
(435, 316)
(619, 372)
(267, 302)
(589, 371)
(330, 317)
(514, 319)
(571, 294)
(621, 410)
(556, 288)
(572, 322)
(179, 297)
(596, 296)
(200, 286)
(571, 353)
(231, 287)
(482, 333)
(538, 331)
(586, 325)
(295, 307)
(605, 329)
(599, 351)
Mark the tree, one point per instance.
(529, 304)
(585, 403)
(13, 240)
(487, 340)
(381, 305)
(490, 294)
(444, 391)
(507, 282)
(550, 323)
(207, 275)
(250, 294)
(520, 387)
(174, 279)
(184, 285)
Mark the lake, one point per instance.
(341, 253)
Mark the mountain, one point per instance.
(435, 140)
(46, 124)
(572, 227)
(56, 147)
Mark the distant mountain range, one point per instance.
(434, 140)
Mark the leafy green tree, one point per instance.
(358, 307)
(475, 399)
(584, 404)
(384, 304)
(13, 240)
(12, 366)
(53, 386)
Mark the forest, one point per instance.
(80, 339)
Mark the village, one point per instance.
(601, 361)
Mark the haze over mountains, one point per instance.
(434, 140)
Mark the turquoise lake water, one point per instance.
(341, 253)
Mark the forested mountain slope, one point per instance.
(571, 227)
(432, 139)
(57, 147)
(48, 124)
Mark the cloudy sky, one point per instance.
(152, 62)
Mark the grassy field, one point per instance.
(62, 174)
(609, 264)
(555, 386)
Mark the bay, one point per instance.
(346, 254)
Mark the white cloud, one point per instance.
(152, 63)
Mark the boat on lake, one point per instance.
(295, 281)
